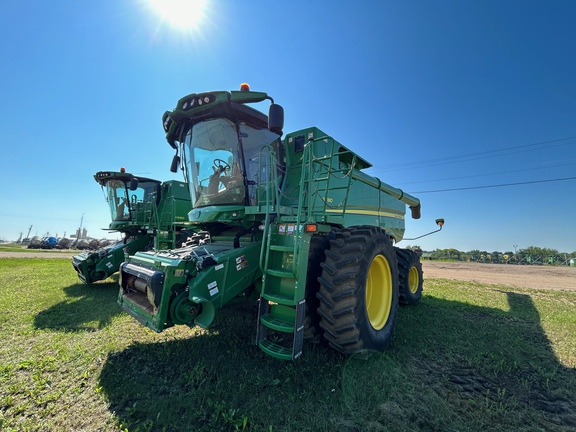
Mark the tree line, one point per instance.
(531, 255)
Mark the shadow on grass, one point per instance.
(452, 366)
(86, 308)
(218, 380)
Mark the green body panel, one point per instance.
(174, 204)
(336, 197)
(263, 245)
(208, 285)
(225, 213)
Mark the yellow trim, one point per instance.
(413, 280)
(367, 212)
(379, 292)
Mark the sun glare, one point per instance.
(180, 14)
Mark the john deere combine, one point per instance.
(293, 222)
(150, 214)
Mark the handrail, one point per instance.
(266, 161)
(329, 171)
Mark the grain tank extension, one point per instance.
(293, 222)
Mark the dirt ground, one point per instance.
(539, 277)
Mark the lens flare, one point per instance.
(180, 14)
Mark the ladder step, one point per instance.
(278, 323)
(280, 299)
(282, 248)
(275, 350)
(281, 273)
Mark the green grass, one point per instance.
(469, 357)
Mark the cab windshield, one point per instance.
(125, 204)
(218, 173)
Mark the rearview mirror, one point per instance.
(175, 164)
(133, 183)
(276, 118)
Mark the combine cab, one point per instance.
(292, 222)
(150, 215)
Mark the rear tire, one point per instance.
(318, 245)
(410, 276)
(359, 290)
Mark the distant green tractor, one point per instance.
(294, 223)
(150, 214)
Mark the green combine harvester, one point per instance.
(150, 215)
(293, 222)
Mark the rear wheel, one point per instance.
(410, 276)
(359, 290)
(318, 245)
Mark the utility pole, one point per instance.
(79, 232)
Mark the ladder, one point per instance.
(282, 301)
(282, 304)
(286, 246)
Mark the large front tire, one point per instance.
(359, 290)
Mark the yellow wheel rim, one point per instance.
(379, 292)
(413, 280)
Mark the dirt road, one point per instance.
(539, 277)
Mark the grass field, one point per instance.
(469, 357)
(12, 247)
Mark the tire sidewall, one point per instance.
(377, 339)
(410, 260)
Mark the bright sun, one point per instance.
(181, 14)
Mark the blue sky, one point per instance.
(436, 95)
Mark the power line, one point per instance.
(458, 159)
(495, 186)
(490, 152)
(473, 156)
(490, 174)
